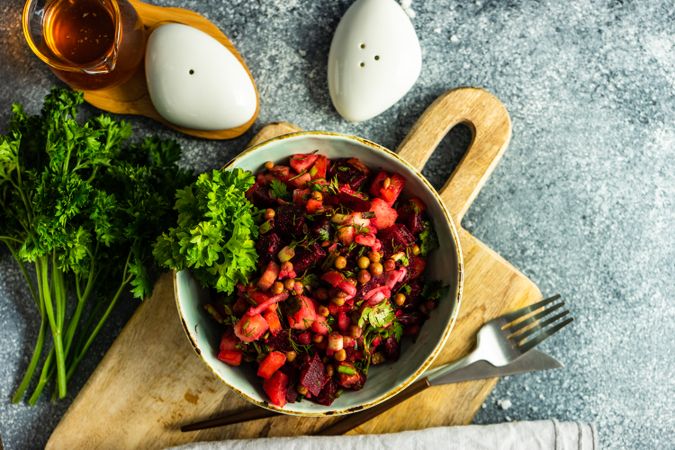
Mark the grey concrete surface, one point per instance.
(582, 202)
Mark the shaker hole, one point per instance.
(191, 72)
(363, 45)
(377, 57)
(362, 64)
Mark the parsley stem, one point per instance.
(53, 316)
(45, 375)
(28, 375)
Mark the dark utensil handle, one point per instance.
(244, 416)
(356, 419)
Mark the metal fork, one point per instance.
(500, 342)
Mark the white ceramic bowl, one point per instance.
(444, 264)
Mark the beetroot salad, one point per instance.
(342, 255)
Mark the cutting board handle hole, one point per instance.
(447, 155)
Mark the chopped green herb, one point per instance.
(346, 370)
(428, 238)
(279, 189)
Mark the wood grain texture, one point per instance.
(132, 97)
(151, 381)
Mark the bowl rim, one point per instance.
(446, 332)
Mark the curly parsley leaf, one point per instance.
(216, 231)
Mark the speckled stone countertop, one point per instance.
(582, 202)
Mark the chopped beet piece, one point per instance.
(328, 393)
(267, 246)
(307, 256)
(395, 238)
(348, 173)
(391, 348)
(313, 374)
(358, 201)
(259, 195)
(290, 220)
(279, 342)
(410, 214)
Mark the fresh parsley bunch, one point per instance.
(82, 206)
(216, 231)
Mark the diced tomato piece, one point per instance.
(378, 183)
(369, 240)
(300, 196)
(416, 267)
(250, 328)
(394, 276)
(230, 357)
(276, 388)
(320, 167)
(333, 278)
(270, 364)
(269, 276)
(390, 194)
(320, 325)
(343, 321)
(229, 341)
(300, 162)
(272, 319)
(348, 375)
(377, 340)
(385, 215)
(258, 297)
(272, 301)
(305, 315)
(313, 206)
(301, 180)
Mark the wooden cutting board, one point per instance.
(151, 381)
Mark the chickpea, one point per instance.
(298, 287)
(374, 256)
(389, 265)
(376, 269)
(355, 331)
(329, 370)
(340, 262)
(416, 250)
(323, 311)
(338, 301)
(377, 358)
(290, 356)
(302, 390)
(399, 299)
(340, 355)
(287, 266)
(318, 196)
(269, 165)
(317, 338)
(364, 276)
(289, 284)
(277, 288)
(269, 214)
(363, 262)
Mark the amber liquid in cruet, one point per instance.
(80, 31)
(83, 33)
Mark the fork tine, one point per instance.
(524, 323)
(539, 326)
(545, 334)
(510, 317)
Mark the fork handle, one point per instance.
(229, 419)
(356, 419)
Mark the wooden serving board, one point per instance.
(151, 381)
(132, 97)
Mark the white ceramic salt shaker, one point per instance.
(196, 82)
(374, 59)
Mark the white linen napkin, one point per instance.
(538, 435)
